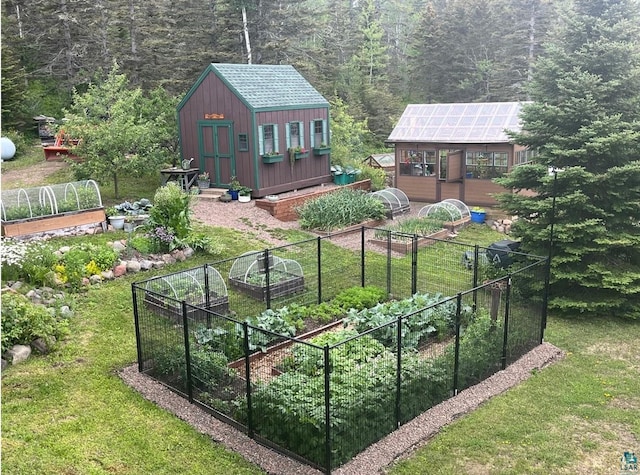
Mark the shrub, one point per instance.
(339, 209)
(23, 322)
(171, 209)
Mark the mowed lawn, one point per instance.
(69, 412)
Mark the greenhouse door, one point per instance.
(215, 144)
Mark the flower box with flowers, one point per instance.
(203, 180)
(299, 152)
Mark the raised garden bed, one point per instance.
(289, 285)
(173, 309)
(21, 227)
(404, 247)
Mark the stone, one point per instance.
(133, 266)
(107, 274)
(65, 249)
(66, 312)
(118, 246)
(120, 270)
(16, 285)
(95, 279)
(168, 259)
(507, 222)
(86, 281)
(18, 354)
(179, 255)
(31, 294)
(146, 264)
(188, 252)
(158, 264)
(40, 346)
(4, 364)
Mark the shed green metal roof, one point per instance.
(266, 86)
(457, 123)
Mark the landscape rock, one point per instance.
(65, 249)
(118, 246)
(16, 285)
(66, 312)
(107, 274)
(17, 354)
(120, 270)
(146, 264)
(168, 259)
(158, 264)
(40, 346)
(188, 252)
(133, 266)
(179, 255)
(4, 364)
(95, 279)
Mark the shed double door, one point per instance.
(215, 144)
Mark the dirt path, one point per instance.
(30, 176)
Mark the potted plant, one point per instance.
(116, 219)
(296, 153)
(203, 180)
(234, 187)
(244, 194)
(478, 215)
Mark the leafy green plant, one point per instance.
(339, 209)
(171, 210)
(23, 322)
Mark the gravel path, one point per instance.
(378, 457)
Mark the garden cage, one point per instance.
(395, 201)
(447, 210)
(28, 203)
(257, 272)
(203, 287)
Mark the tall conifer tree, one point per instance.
(585, 123)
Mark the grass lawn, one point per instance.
(68, 412)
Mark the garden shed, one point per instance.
(264, 124)
(455, 150)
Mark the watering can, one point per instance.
(186, 163)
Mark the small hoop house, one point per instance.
(260, 277)
(448, 210)
(395, 200)
(44, 208)
(203, 287)
(28, 203)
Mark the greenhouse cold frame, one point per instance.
(258, 274)
(45, 208)
(453, 211)
(203, 287)
(395, 200)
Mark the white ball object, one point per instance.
(8, 148)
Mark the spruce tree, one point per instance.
(584, 123)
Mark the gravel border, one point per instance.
(375, 459)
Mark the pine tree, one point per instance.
(585, 123)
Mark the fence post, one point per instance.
(398, 371)
(327, 411)
(362, 257)
(247, 372)
(187, 351)
(476, 258)
(414, 264)
(388, 262)
(456, 362)
(505, 340)
(207, 297)
(136, 320)
(266, 276)
(319, 259)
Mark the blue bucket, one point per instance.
(478, 216)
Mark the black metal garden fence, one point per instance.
(452, 320)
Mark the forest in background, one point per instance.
(376, 56)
